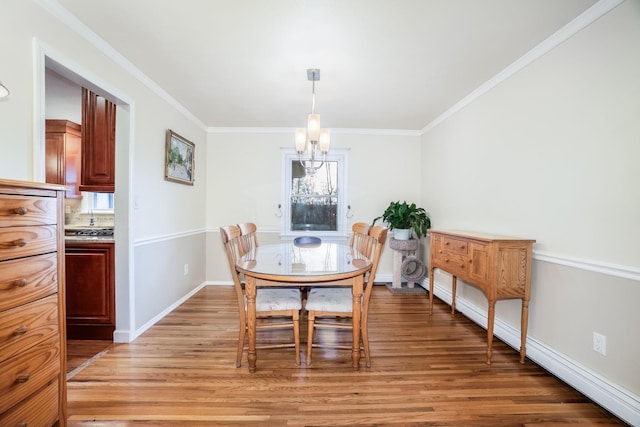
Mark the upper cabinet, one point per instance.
(98, 143)
(62, 152)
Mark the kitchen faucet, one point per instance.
(91, 219)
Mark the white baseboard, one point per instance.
(616, 399)
(122, 336)
(127, 336)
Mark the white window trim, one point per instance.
(339, 155)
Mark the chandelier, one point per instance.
(312, 141)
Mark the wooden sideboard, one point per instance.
(32, 304)
(499, 266)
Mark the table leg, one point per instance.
(454, 286)
(250, 292)
(431, 290)
(357, 313)
(490, 317)
(524, 321)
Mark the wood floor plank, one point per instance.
(425, 371)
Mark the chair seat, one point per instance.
(278, 299)
(338, 300)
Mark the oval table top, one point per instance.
(286, 262)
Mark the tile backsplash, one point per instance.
(75, 217)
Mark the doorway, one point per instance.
(123, 245)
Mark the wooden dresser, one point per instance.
(32, 305)
(499, 266)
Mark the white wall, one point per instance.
(244, 183)
(552, 154)
(164, 211)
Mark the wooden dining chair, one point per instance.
(248, 235)
(324, 303)
(270, 302)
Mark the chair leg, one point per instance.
(296, 335)
(365, 344)
(364, 334)
(310, 321)
(241, 336)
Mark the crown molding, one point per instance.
(334, 131)
(585, 19)
(582, 21)
(68, 19)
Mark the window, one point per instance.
(97, 202)
(314, 204)
(103, 201)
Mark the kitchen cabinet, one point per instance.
(90, 278)
(98, 143)
(32, 305)
(62, 153)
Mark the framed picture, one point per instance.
(179, 159)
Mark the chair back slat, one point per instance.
(248, 236)
(360, 240)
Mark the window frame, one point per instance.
(336, 155)
(87, 204)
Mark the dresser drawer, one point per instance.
(18, 242)
(26, 373)
(27, 210)
(27, 279)
(23, 327)
(458, 246)
(41, 409)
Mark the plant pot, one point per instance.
(402, 233)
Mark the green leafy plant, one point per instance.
(406, 216)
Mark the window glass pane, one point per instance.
(314, 198)
(103, 201)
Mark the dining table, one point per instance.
(300, 266)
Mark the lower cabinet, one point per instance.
(90, 276)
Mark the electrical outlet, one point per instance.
(186, 271)
(600, 343)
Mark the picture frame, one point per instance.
(179, 159)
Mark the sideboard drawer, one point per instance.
(25, 326)
(17, 211)
(26, 373)
(41, 409)
(18, 242)
(27, 279)
(455, 264)
(458, 246)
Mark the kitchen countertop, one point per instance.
(89, 239)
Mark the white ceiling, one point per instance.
(384, 64)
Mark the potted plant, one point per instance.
(403, 216)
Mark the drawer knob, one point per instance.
(20, 211)
(19, 243)
(22, 378)
(20, 283)
(21, 330)
(446, 260)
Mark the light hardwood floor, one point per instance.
(425, 371)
